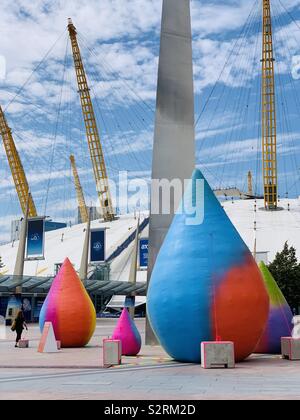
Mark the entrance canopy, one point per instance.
(39, 286)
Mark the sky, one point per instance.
(119, 41)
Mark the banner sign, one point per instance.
(144, 247)
(97, 246)
(35, 239)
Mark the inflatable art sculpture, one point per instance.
(127, 332)
(69, 308)
(205, 284)
(280, 317)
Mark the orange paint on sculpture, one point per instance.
(69, 308)
(231, 318)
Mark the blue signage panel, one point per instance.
(144, 247)
(129, 302)
(35, 238)
(97, 246)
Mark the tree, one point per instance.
(286, 271)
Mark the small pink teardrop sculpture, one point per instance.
(127, 332)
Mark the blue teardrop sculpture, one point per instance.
(205, 283)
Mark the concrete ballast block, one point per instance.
(217, 354)
(112, 352)
(23, 344)
(290, 348)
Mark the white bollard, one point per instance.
(2, 328)
(296, 330)
(217, 354)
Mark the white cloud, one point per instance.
(124, 35)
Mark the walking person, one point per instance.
(18, 326)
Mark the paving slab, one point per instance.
(90, 357)
(78, 374)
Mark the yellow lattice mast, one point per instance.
(79, 192)
(92, 131)
(16, 167)
(269, 142)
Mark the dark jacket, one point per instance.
(19, 323)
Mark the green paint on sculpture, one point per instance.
(275, 294)
(280, 316)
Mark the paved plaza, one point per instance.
(78, 374)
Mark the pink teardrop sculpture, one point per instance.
(127, 332)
